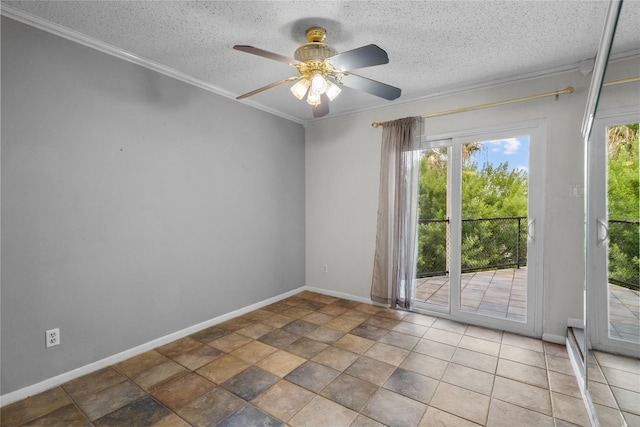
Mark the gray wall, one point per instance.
(133, 205)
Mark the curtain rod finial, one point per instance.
(377, 124)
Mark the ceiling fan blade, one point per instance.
(265, 54)
(365, 56)
(272, 85)
(373, 87)
(321, 109)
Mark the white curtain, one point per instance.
(395, 257)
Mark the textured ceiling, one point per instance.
(434, 47)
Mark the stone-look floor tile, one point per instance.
(253, 352)
(479, 345)
(608, 416)
(177, 393)
(255, 331)
(280, 363)
(622, 379)
(250, 382)
(471, 359)
(503, 414)
(569, 409)
(398, 339)
(411, 329)
(349, 391)
(420, 319)
(325, 335)
(394, 409)
(435, 349)
(278, 320)
(236, 323)
(449, 397)
(484, 333)
(317, 318)
(93, 383)
(381, 322)
(522, 355)
(249, 415)
(425, 365)
(629, 401)
(450, 325)
(434, 417)
(160, 374)
(357, 315)
(311, 305)
(297, 312)
(367, 308)
(178, 347)
(559, 364)
(601, 394)
(198, 357)
(618, 362)
(321, 412)
(387, 353)
(171, 420)
(68, 415)
(524, 395)
(443, 336)
(362, 421)
(278, 338)
(632, 420)
(210, 334)
(411, 384)
(108, 400)
(369, 331)
(524, 373)
(305, 347)
(469, 378)
(522, 341)
(300, 327)
(223, 368)
(145, 411)
(211, 408)
(333, 310)
(558, 350)
(283, 400)
(565, 384)
(335, 358)
(140, 363)
(258, 315)
(342, 324)
(230, 342)
(354, 343)
(346, 303)
(312, 376)
(33, 407)
(370, 370)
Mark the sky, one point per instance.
(515, 151)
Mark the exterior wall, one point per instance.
(133, 205)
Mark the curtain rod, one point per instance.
(568, 89)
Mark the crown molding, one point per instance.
(66, 33)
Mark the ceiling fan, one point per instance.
(323, 70)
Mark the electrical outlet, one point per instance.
(53, 337)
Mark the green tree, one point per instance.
(623, 195)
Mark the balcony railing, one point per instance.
(498, 243)
(487, 244)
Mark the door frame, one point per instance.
(537, 130)
(597, 295)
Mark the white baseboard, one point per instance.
(575, 323)
(557, 339)
(50, 383)
(341, 295)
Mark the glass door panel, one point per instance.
(494, 205)
(432, 270)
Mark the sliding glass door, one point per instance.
(613, 234)
(480, 221)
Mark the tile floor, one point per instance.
(316, 360)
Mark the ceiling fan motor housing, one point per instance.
(315, 49)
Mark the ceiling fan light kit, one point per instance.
(322, 70)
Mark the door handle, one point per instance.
(531, 230)
(602, 232)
